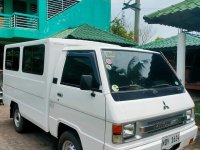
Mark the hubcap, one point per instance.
(17, 118)
(68, 145)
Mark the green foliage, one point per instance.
(118, 28)
(197, 113)
(158, 39)
(197, 108)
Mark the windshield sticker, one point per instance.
(109, 54)
(176, 83)
(115, 88)
(109, 61)
(109, 67)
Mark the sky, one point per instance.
(147, 7)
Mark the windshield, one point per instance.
(136, 71)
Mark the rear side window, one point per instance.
(75, 67)
(1, 57)
(33, 59)
(12, 59)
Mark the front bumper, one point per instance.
(155, 142)
(185, 138)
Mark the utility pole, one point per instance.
(135, 7)
(123, 16)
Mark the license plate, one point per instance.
(171, 140)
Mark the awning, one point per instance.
(171, 43)
(184, 15)
(86, 32)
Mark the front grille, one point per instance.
(153, 126)
(162, 124)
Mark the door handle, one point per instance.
(59, 94)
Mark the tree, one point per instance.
(158, 39)
(146, 34)
(118, 28)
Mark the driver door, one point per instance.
(75, 107)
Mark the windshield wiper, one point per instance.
(135, 86)
(162, 85)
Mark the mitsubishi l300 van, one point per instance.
(96, 96)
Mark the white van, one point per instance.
(96, 96)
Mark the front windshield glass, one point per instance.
(136, 71)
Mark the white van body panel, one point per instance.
(31, 92)
(81, 105)
(154, 142)
(78, 115)
(91, 117)
(121, 112)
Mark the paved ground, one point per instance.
(36, 139)
(10, 140)
(195, 146)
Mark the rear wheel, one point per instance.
(19, 121)
(69, 141)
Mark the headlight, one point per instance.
(190, 115)
(123, 132)
(129, 130)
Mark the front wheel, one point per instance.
(19, 121)
(69, 141)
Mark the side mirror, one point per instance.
(86, 82)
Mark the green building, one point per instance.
(36, 19)
(23, 20)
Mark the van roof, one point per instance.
(110, 47)
(77, 43)
(71, 42)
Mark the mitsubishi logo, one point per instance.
(165, 106)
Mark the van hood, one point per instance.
(141, 109)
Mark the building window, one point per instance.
(1, 6)
(34, 8)
(55, 7)
(12, 59)
(33, 59)
(19, 6)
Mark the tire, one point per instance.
(69, 140)
(18, 120)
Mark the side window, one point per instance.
(75, 67)
(34, 8)
(12, 59)
(33, 59)
(1, 57)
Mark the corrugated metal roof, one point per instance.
(169, 43)
(183, 15)
(86, 32)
